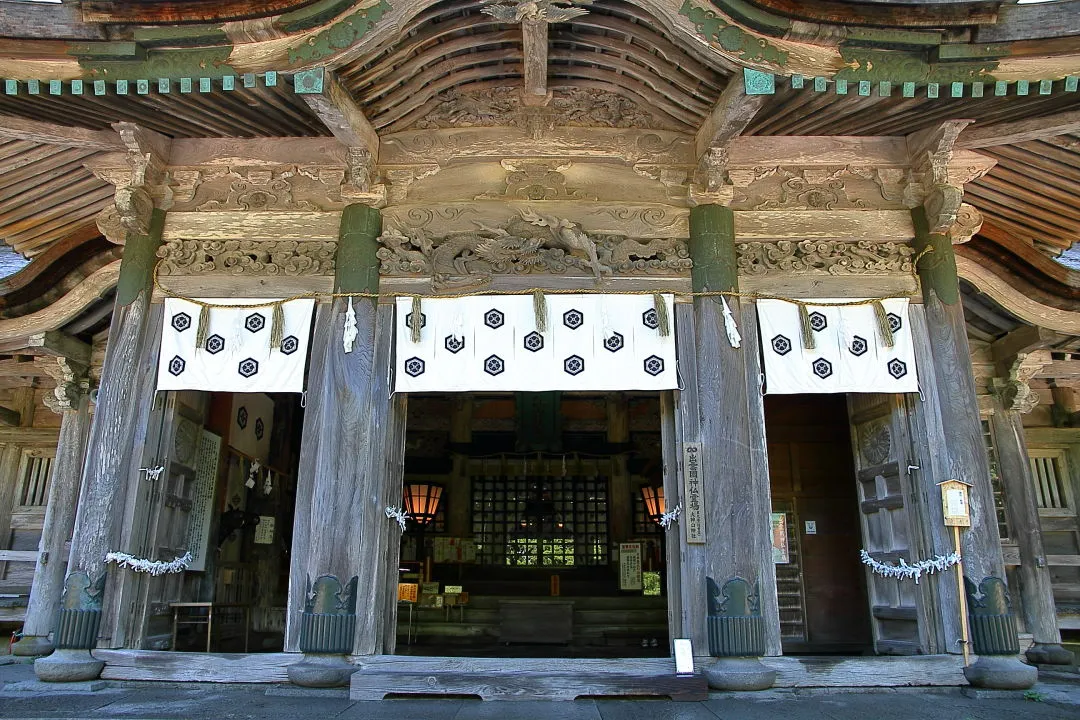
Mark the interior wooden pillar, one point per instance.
(618, 433)
(1022, 512)
(111, 465)
(715, 410)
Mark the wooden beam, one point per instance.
(1016, 302)
(10, 417)
(66, 308)
(20, 368)
(338, 111)
(1010, 133)
(17, 128)
(730, 115)
(1060, 370)
(1022, 340)
(59, 344)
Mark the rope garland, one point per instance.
(154, 567)
(913, 571)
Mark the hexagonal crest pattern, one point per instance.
(260, 428)
(454, 344)
(615, 343)
(533, 342)
(818, 322)
(215, 344)
(494, 365)
(858, 346)
(897, 368)
(895, 323)
(781, 345)
(242, 417)
(414, 367)
(289, 345)
(654, 365)
(248, 367)
(181, 321)
(573, 319)
(650, 319)
(574, 365)
(494, 319)
(409, 320)
(822, 368)
(255, 322)
(177, 365)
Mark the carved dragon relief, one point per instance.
(527, 243)
(571, 107)
(823, 257)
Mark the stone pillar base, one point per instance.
(320, 671)
(32, 646)
(744, 673)
(68, 666)
(1046, 654)
(1000, 672)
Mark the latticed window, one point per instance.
(34, 490)
(1050, 474)
(538, 521)
(995, 480)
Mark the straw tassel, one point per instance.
(883, 324)
(807, 331)
(203, 330)
(277, 326)
(415, 323)
(733, 336)
(540, 310)
(663, 323)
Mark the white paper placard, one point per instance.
(849, 354)
(491, 343)
(684, 657)
(630, 566)
(202, 505)
(264, 531)
(693, 494)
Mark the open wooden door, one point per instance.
(884, 459)
(177, 510)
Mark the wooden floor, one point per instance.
(442, 675)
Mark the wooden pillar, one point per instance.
(989, 609)
(1021, 507)
(56, 530)
(736, 561)
(339, 558)
(110, 464)
(618, 433)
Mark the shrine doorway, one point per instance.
(542, 543)
(821, 585)
(220, 486)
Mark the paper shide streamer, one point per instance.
(348, 338)
(153, 567)
(669, 517)
(733, 335)
(910, 571)
(393, 512)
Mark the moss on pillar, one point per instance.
(712, 248)
(356, 262)
(140, 257)
(937, 269)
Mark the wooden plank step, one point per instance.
(889, 671)
(523, 678)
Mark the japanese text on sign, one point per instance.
(693, 491)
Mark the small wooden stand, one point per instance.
(954, 506)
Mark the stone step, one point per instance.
(523, 678)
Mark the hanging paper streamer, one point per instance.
(669, 517)
(491, 343)
(733, 335)
(268, 484)
(253, 472)
(153, 567)
(348, 338)
(395, 513)
(237, 353)
(910, 571)
(848, 353)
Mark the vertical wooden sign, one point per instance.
(629, 566)
(693, 493)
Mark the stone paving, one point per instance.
(22, 696)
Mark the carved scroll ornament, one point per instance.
(823, 257)
(247, 257)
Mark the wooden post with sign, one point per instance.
(954, 505)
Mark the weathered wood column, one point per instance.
(339, 559)
(71, 402)
(735, 571)
(110, 465)
(1022, 512)
(993, 625)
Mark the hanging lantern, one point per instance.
(422, 501)
(654, 501)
